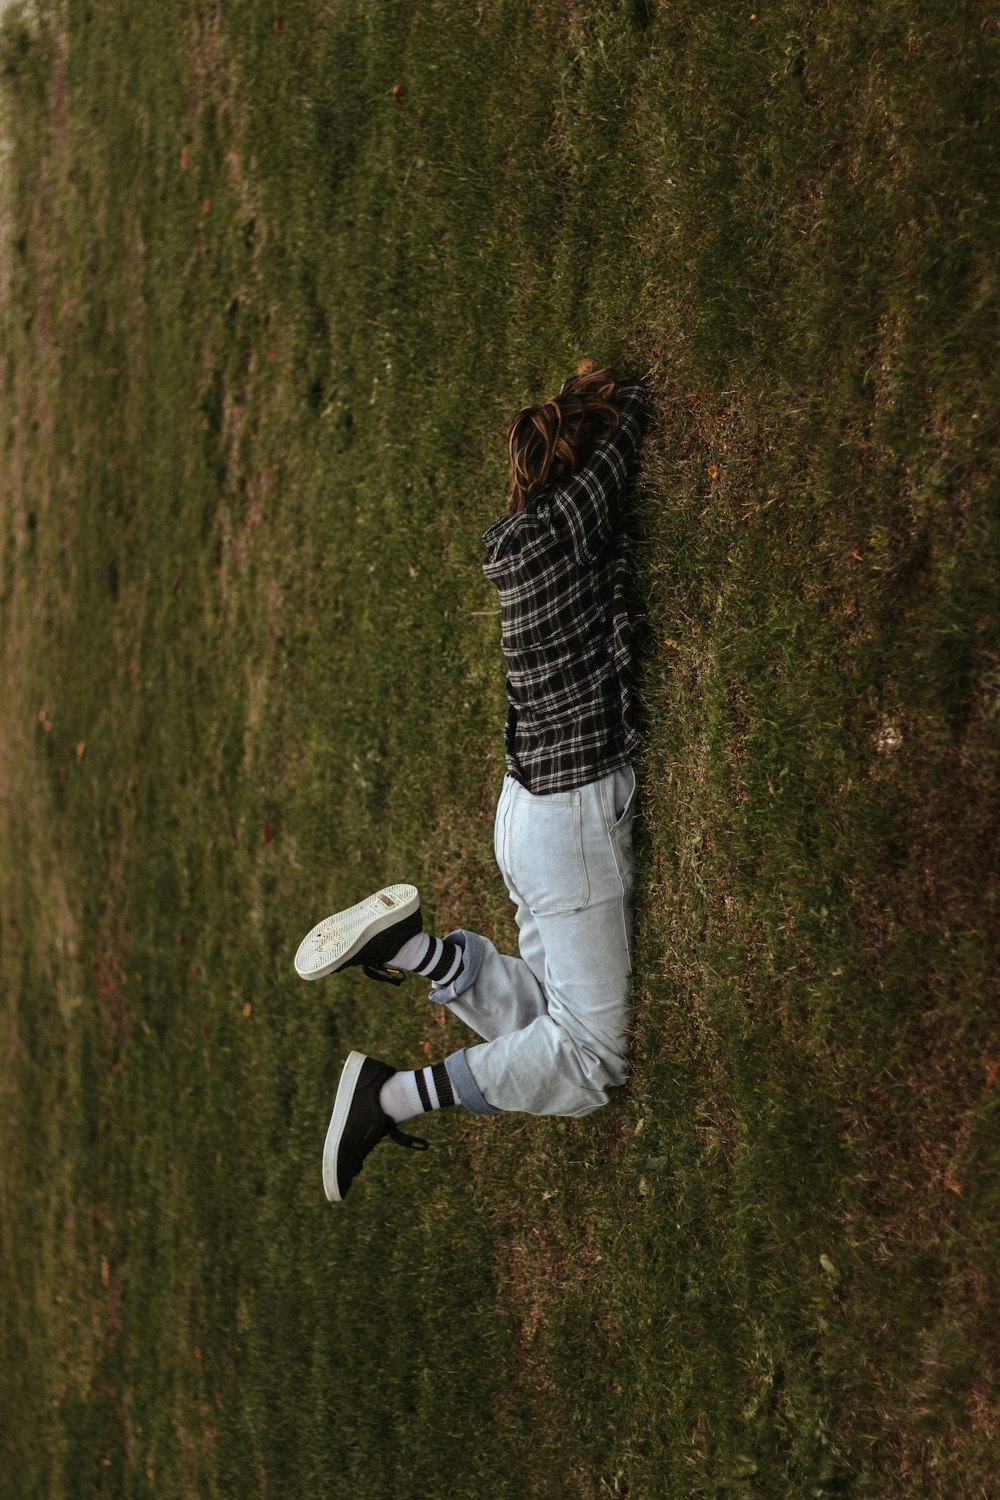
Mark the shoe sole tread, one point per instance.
(336, 939)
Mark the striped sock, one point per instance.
(438, 959)
(409, 1094)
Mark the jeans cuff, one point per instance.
(473, 948)
(465, 1087)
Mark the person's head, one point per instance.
(548, 443)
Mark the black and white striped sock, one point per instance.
(438, 959)
(407, 1094)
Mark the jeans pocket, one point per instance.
(546, 852)
(624, 794)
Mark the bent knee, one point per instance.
(598, 1074)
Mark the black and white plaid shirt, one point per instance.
(560, 566)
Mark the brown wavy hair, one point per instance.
(548, 443)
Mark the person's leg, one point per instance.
(492, 992)
(383, 935)
(555, 1021)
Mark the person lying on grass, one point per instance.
(555, 1020)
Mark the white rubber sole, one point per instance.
(341, 1108)
(336, 939)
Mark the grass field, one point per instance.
(273, 277)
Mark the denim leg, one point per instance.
(496, 993)
(504, 998)
(554, 1021)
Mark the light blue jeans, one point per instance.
(554, 1021)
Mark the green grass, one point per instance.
(262, 326)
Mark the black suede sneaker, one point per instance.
(369, 934)
(358, 1123)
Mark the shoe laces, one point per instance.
(384, 972)
(411, 1142)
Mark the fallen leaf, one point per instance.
(398, 93)
(184, 158)
(247, 1008)
(81, 747)
(889, 737)
(713, 471)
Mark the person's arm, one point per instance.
(586, 504)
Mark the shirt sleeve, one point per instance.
(585, 506)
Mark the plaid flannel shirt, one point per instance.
(560, 567)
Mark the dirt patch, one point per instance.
(215, 82)
(542, 1263)
(109, 980)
